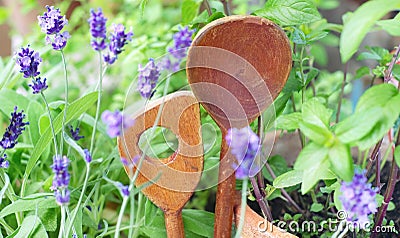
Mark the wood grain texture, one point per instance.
(172, 179)
(236, 67)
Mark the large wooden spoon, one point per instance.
(236, 67)
(172, 179)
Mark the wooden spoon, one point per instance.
(236, 67)
(172, 179)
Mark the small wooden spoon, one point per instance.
(172, 179)
(236, 67)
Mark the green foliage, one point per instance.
(360, 22)
(289, 13)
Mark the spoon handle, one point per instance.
(225, 193)
(174, 224)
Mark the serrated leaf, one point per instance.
(289, 121)
(290, 12)
(361, 21)
(316, 113)
(189, 10)
(76, 109)
(376, 96)
(318, 134)
(315, 173)
(288, 179)
(341, 161)
(311, 155)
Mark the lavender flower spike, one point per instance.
(28, 60)
(115, 122)
(244, 145)
(3, 162)
(61, 179)
(123, 189)
(38, 85)
(75, 133)
(118, 40)
(148, 77)
(14, 130)
(88, 156)
(52, 24)
(182, 40)
(97, 23)
(358, 199)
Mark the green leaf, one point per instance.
(74, 145)
(34, 111)
(391, 26)
(376, 96)
(311, 155)
(198, 222)
(357, 125)
(379, 54)
(289, 122)
(76, 109)
(316, 207)
(341, 161)
(288, 179)
(364, 70)
(396, 71)
(27, 204)
(31, 227)
(189, 10)
(290, 12)
(361, 21)
(397, 155)
(9, 99)
(48, 218)
(320, 135)
(316, 113)
(313, 174)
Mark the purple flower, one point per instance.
(52, 22)
(97, 23)
(88, 156)
(115, 122)
(182, 40)
(75, 133)
(123, 189)
(61, 179)
(358, 199)
(118, 40)
(148, 77)
(38, 85)
(14, 130)
(3, 161)
(244, 145)
(28, 60)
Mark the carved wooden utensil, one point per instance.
(236, 67)
(172, 179)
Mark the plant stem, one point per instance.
(388, 72)
(51, 124)
(302, 139)
(208, 7)
(260, 177)
(65, 101)
(389, 192)
(242, 209)
(98, 103)
(227, 9)
(342, 92)
(260, 200)
(284, 193)
(121, 214)
(75, 212)
(62, 226)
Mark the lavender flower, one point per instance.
(123, 189)
(148, 77)
(118, 40)
(38, 85)
(3, 161)
(14, 130)
(97, 23)
(88, 156)
(75, 133)
(61, 179)
(358, 199)
(244, 145)
(52, 24)
(28, 60)
(182, 40)
(115, 122)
